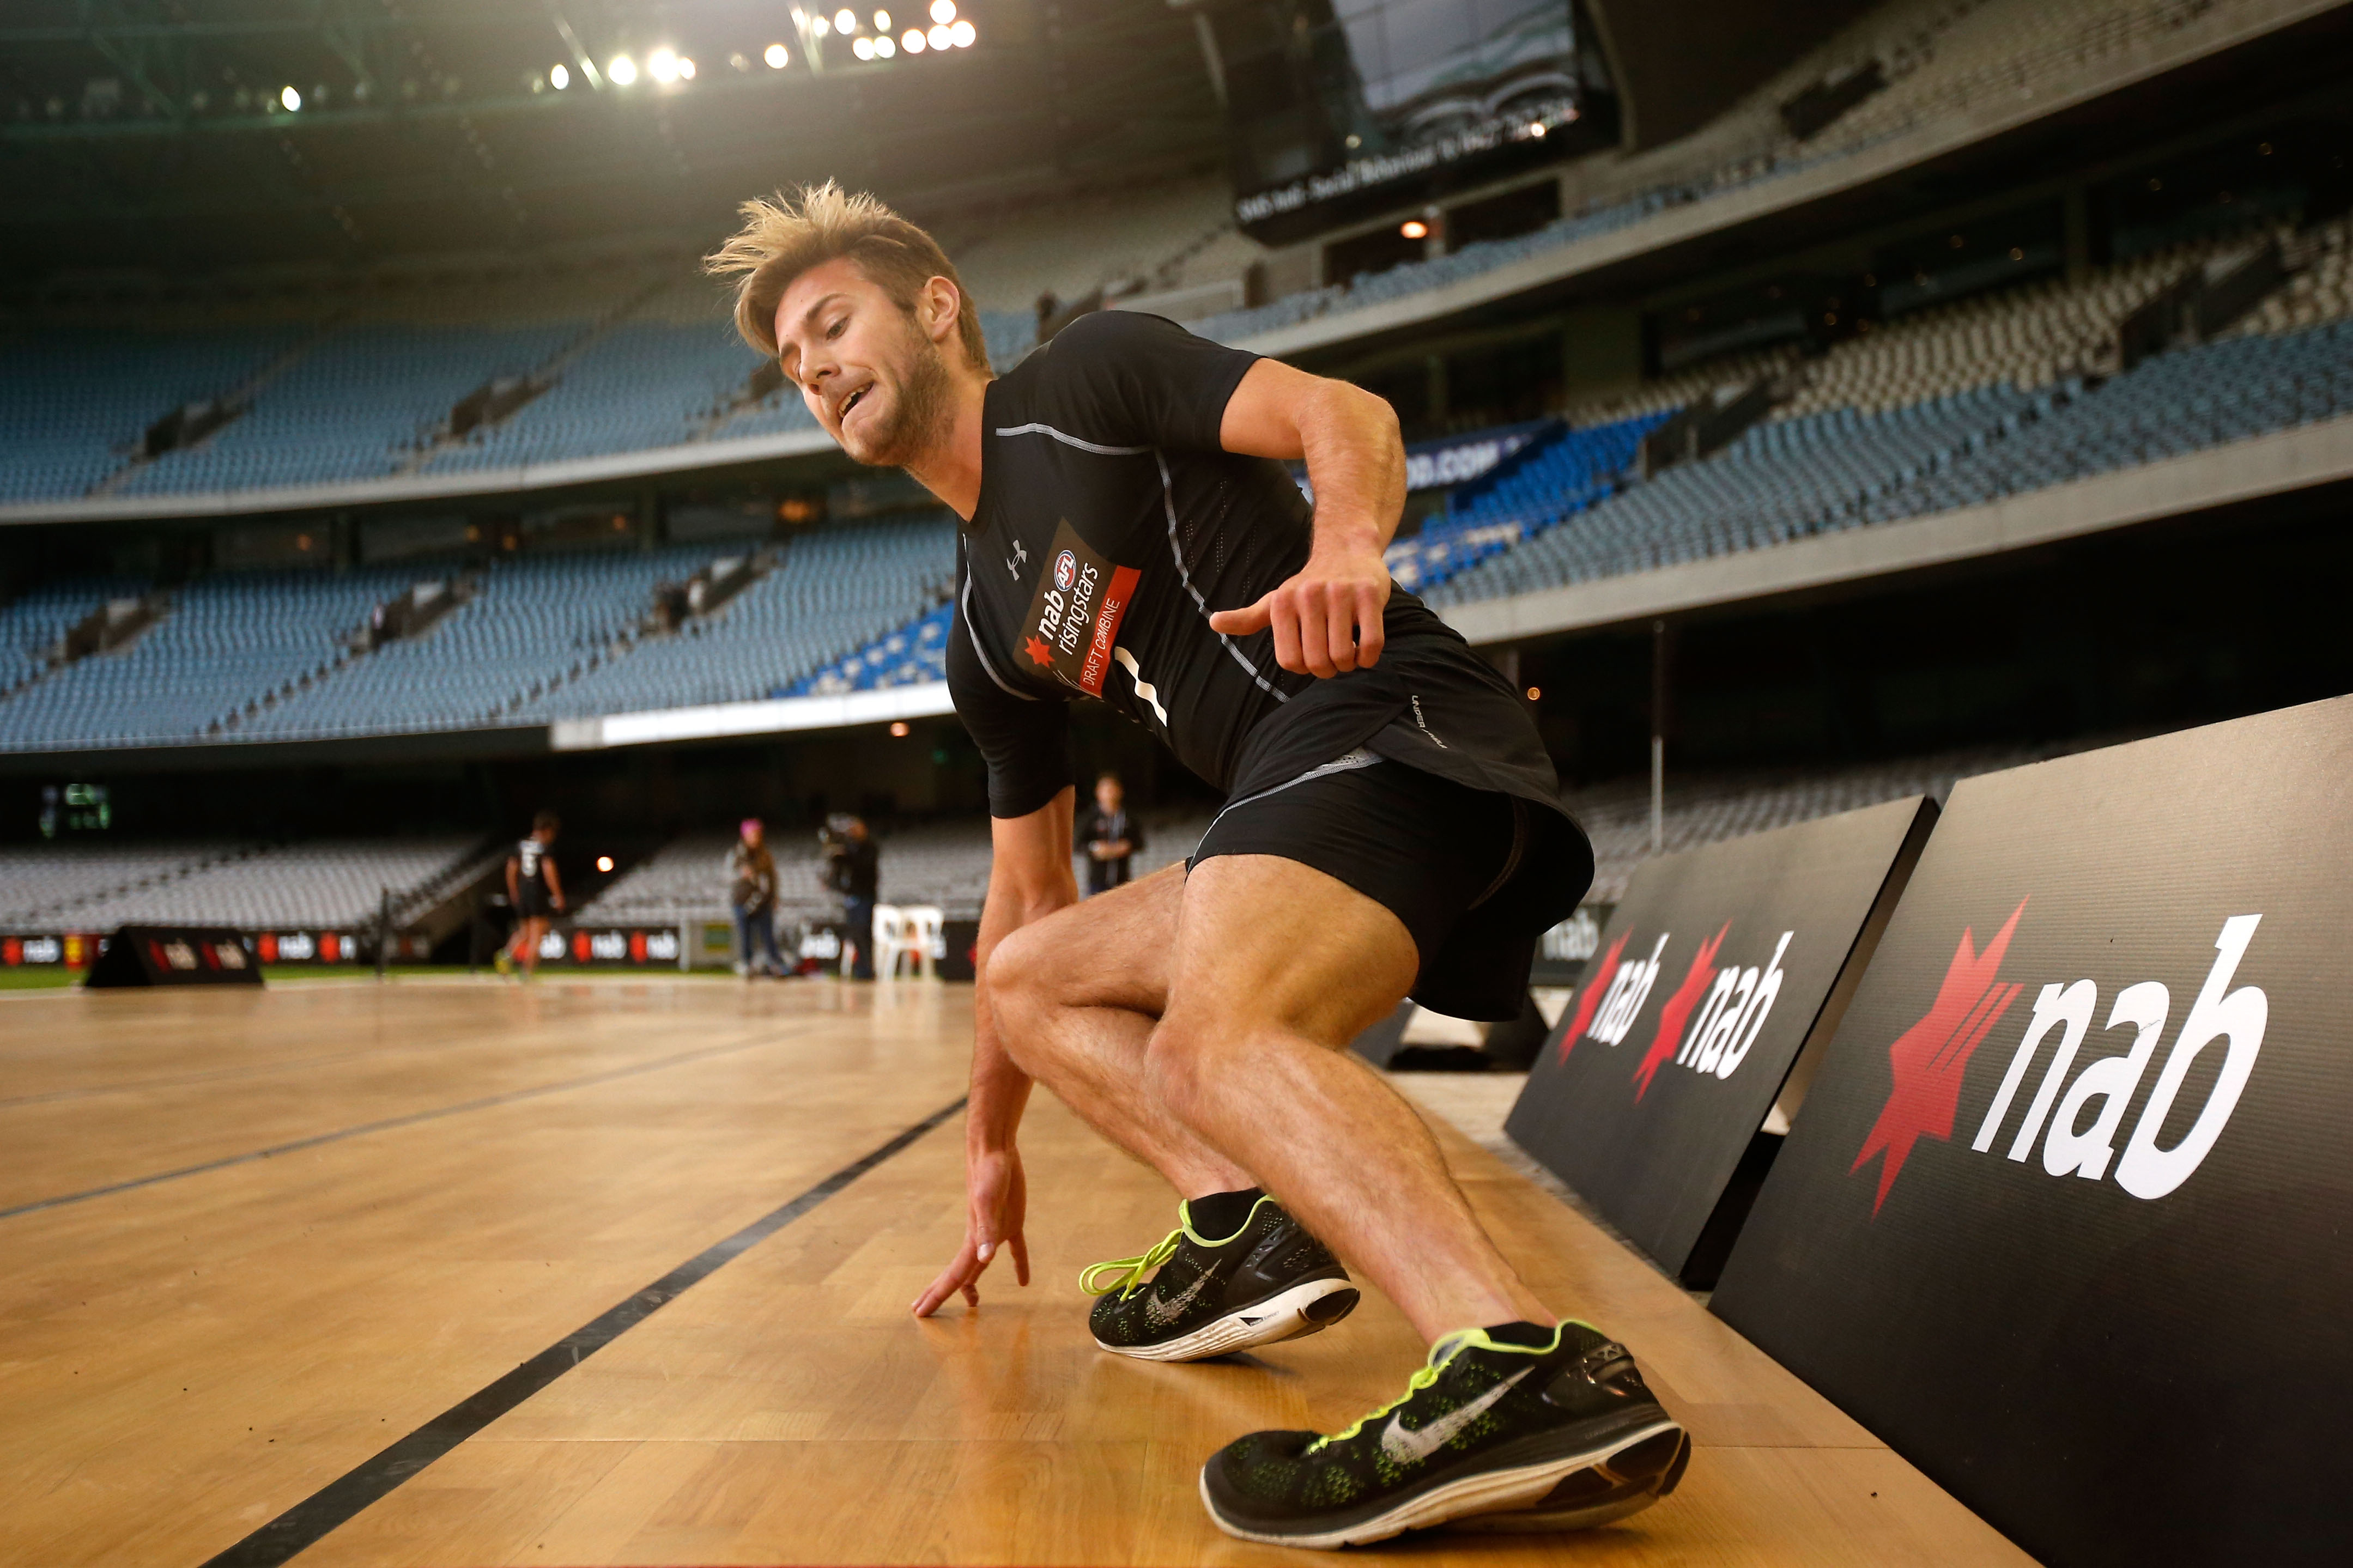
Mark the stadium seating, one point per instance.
(322, 883)
(32, 627)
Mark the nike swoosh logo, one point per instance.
(1412, 1447)
(1159, 1313)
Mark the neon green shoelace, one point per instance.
(1447, 1347)
(1129, 1272)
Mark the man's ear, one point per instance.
(942, 300)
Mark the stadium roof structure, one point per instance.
(151, 135)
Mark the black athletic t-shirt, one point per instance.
(1112, 523)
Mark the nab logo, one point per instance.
(1066, 570)
(1930, 1059)
(1708, 1024)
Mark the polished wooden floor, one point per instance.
(463, 1174)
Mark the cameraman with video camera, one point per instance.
(847, 864)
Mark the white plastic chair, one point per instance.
(890, 938)
(921, 927)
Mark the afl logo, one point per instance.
(1066, 570)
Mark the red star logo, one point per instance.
(1677, 1013)
(1039, 654)
(1590, 996)
(1930, 1058)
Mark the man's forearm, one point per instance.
(1355, 466)
(1000, 1089)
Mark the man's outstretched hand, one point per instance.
(998, 1198)
(1327, 620)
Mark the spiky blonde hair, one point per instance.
(783, 237)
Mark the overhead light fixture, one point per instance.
(819, 27)
(1537, 127)
(885, 48)
(962, 35)
(604, 862)
(911, 41)
(622, 69)
(559, 78)
(290, 97)
(662, 65)
(777, 57)
(686, 68)
(845, 20)
(941, 37)
(943, 11)
(881, 21)
(899, 726)
(863, 48)
(1414, 228)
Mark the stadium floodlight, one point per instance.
(1414, 228)
(881, 21)
(943, 11)
(662, 65)
(862, 47)
(845, 20)
(962, 35)
(623, 70)
(291, 98)
(559, 78)
(939, 36)
(911, 41)
(686, 68)
(885, 48)
(777, 57)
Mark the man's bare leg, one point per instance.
(1249, 1056)
(1077, 996)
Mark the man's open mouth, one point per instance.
(851, 402)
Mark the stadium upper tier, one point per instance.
(593, 365)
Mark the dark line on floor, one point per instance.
(411, 1120)
(309, 1520)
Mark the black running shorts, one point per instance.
(1477, 877)
(532, 903)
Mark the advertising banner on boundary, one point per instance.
(2068, 1220)
(1714, 973)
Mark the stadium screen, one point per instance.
(1342, 107)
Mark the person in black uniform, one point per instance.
(851, 868)
(534, 892)
(1392, 829)
(1108, 837)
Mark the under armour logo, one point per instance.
(1019, 558)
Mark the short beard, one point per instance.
(920, 421)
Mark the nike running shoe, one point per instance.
(1490, 1434)
(1270, 1280)
(504, 964)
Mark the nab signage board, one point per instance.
(174, 955)
(2068, 1220)
(1712, 976)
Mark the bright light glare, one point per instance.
(777, 57)
(291, 98)
(1537, 127)
(604, 862)
(1414, 228)
(845, 20)
(662, 65)
(899, 726)
(881, 21)
(911, 41)
(943, 11)
(963, 35)
(863, 48)
(885, 48)
(686, 68)
(940, 38)
(623, 70)
(821, 28)
(559, 79)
